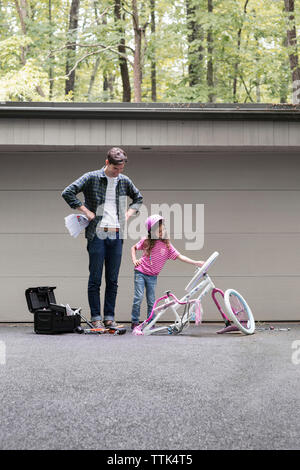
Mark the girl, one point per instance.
(157, 249)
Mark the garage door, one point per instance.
(251, 216)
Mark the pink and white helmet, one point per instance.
(152, 220)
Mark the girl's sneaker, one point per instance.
(133, 325)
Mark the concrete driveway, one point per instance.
(198, 390)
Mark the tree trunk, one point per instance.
(153, 59)
(257, 85)
(22, 9)
(283, 80)
(122, 61)
(258, 97)
(195, 57)
(108, 80)
(293, 52)
(236, 65)
(108, 85)
(51, 74)
(137, 69)
(210, 66)
(71, 46)
(93, 76)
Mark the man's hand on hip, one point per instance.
(89, 214)
(129, 213)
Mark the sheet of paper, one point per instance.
(76, 223)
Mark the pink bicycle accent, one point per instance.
(213, 294)
(228, 329)
(198, 313)
(138, 330)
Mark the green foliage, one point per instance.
(249, 55)
(21, 84)
(11, 50)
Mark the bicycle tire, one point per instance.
(239, 311)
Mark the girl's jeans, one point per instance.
(108, 252)
(140, 282)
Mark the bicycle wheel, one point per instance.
(239, 311)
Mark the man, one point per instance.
(105, 193)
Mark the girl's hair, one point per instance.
(150, 242)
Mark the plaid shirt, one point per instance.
(93, 185)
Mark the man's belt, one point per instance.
(109, 229)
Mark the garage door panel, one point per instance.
(224, 211)
(154, 170)
(270, 299)
(240, 255)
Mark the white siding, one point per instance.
(144, 132)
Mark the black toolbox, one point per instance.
(49, 317)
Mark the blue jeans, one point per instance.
(140, 282)
(108, 252)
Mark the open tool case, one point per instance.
(49, 317)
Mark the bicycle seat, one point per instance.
(200, 272)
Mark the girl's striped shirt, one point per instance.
(160, 253)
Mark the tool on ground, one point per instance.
(52, 318)
(271, 328)
(115, 330)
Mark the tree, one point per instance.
(289, 6)
(51, 70)
(195, 38)
(23, 12)
(137, 61)
(122, 51)
(108, 78)
(153, 57)
(236, 65)
(210, 65)
(71, 47)
(149, 50)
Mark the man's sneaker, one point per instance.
(111, 324)
(133, 325)
(98, 324)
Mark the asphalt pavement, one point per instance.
(197, 390)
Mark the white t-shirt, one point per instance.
(110, 216)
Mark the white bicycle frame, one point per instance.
(206, 286)
(200, 285)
